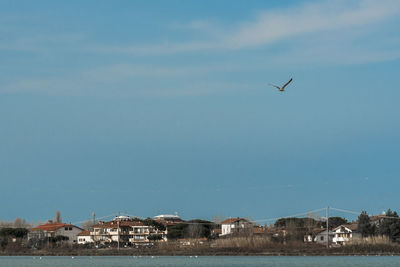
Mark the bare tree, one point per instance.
(58, 217)
(217, 219)
(195, 230)
(88, 224)
(19, 223)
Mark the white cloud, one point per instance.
(127, 71)
(271, 26)
(276, 25)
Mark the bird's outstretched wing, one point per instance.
(283, 87)
(275, 86)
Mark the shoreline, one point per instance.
(199, 254)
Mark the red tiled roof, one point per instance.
(52, 226)
(352, 227)
(84, 233)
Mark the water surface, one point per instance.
(213, 261)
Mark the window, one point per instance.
(66, 228)
(322, 238)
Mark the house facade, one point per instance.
(319, 235)
(84, 237)
(345, 233)
(234, 225)
(322, 237)
(52, 230)
(123, 229)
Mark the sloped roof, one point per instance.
(49, 227)
(84, 233)
(352, 227)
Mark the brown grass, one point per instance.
(371, 240)
(243, 242)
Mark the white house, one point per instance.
(232, 225)
(140, 233)
(125, 230)
(318, 235)
(345, 233)
(51, 230)
(322, 236)
(116, 230)
(84, 237)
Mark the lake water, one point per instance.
(216, 261)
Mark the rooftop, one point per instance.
(53, 226)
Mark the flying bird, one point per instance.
(283, 87)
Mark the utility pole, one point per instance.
(327, 227)
(94, 232)
(118, 227)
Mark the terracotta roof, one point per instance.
(352, 227)
(114, 224)
(84, 233)
(232, 220)
(53, 226)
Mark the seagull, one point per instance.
(283, 87)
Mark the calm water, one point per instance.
(200, 261)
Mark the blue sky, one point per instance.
(150, 107)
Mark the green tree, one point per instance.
(364, 225)
(157, 225)
(390, 226)
(336, 221)
(192, 229)
(13, 232)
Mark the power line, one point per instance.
(294, 215)
(347, 211)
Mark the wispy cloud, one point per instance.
(130, 79)
(127, 71)
(315, 32)
(275, 25)
(271, 26)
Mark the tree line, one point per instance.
(387, 225)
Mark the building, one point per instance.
(345, 233)
(319, 235)
(84, 237)
(234, 225)
(141, 233)
(53, 230)
(126, 231)
(117, 230)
